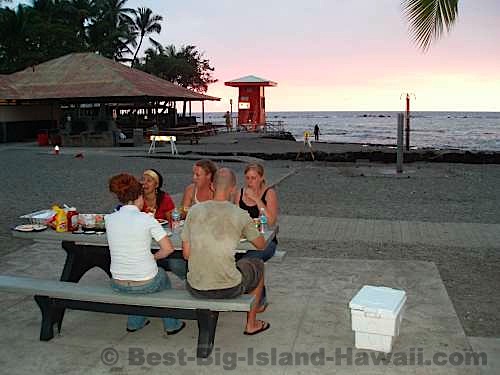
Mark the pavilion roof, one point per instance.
(89, 76)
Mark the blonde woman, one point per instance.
(201, 189)
(253, 197)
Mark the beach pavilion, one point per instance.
(88, 99)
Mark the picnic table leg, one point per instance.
(51, 314)
(80, 259)
(207, 324)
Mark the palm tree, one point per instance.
(429, 18)
(144, 23)
(111, 32)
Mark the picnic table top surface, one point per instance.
(102, 240)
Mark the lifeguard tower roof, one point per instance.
(250, 81)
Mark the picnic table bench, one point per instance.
(54, 297)
(83, 253)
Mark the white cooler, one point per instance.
(376, 314)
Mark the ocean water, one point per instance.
(438, 130)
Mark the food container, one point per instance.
(42, 217)
(91, 221)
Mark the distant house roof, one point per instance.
(88, 76)
(250, 80)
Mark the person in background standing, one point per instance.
(316, 132)
(227, 116)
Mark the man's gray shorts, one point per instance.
(251, 269)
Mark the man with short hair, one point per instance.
(211, 233)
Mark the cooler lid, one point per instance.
(379, 300)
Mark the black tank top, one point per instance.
(253, 211)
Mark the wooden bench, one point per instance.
(53, 297)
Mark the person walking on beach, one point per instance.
(211, 233)
(316, 132)
(227, 116)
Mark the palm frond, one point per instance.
(429, 18)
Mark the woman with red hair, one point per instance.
(133, 266)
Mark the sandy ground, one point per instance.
(33, 180)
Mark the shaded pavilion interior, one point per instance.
(87, 94)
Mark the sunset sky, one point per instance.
(340, 54)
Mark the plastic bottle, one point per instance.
(72, 217)
(61, 221)
(176, 220)
(263, 221)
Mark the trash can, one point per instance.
(138, 137)
(43, 137)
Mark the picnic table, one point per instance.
(86, 251)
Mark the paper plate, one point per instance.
(162, 221)
(30, 228)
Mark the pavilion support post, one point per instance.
(156, 113)
(203, 112)
(190, 108)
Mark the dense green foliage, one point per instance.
(49, 29)
(187, 67)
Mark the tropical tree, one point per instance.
(18, 44)
(111, 32)
(145, 23)
(186, 67)
(429, 19)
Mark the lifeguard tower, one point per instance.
(251, 101)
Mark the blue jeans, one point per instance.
(177, 266)
(158, 283)
(265, 254)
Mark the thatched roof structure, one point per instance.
(88, 77)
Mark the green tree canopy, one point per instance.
(186, 67)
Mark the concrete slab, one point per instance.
(308, 313)
(491, 346)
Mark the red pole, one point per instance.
(407, 122)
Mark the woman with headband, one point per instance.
(156, 201)
(159, 204)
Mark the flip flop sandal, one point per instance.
(264, 327)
